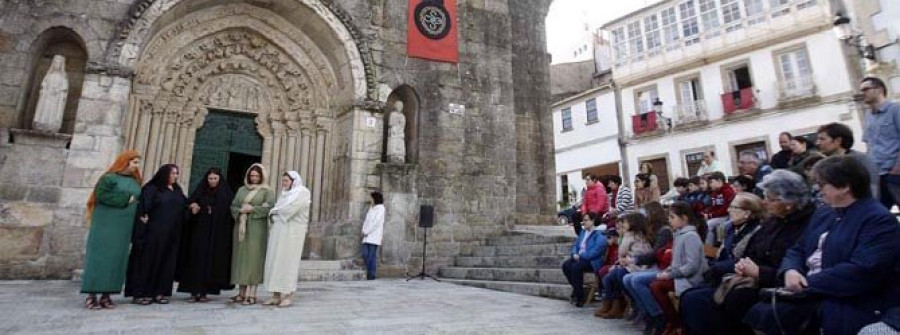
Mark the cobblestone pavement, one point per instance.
(388, 306)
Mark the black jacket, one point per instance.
(769, 245)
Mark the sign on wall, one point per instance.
(432, 30)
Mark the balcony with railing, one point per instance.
(644, 123)
(738, 101)
(691, 113)
(797, 88)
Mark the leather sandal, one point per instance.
(271, 302)
(237, 298)
(161, 300)
(91, 303)
(202, 298)
(107, 303)
(249, 301)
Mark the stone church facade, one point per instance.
(295, 84)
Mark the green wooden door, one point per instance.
(223, 133)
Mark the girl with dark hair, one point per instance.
(635, 241)
(372, 231)
(110, 214)
(205, 257)
(155, 239)
(250, 209)
(637, 284)
(688, 262)
(644, 190)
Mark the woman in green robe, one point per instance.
(110, 214)
(250, 209)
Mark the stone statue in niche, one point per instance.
(396, 148)
(48, 115)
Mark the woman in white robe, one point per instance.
(288, 223)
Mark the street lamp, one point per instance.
(852, 37)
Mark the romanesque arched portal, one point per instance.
(245, 60)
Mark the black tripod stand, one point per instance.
(426, 220)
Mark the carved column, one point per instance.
(265, 129)
(321, 133)
(292, 151)
(275, 169)
(168, 140)
(150, 157)
(306, 130)
(141, 130)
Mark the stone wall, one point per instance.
(569, 79)
(484, 169)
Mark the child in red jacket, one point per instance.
(721, 194)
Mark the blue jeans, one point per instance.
(370, 256)
(638, 286)
(612, 284)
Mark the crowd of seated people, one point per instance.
(815, 254)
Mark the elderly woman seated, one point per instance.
(719, 308)
(840, 275)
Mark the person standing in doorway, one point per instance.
(204, 264)
(250, 210)
(709, 164)
(373, 231)
(156, 238)
(882, 135)
(110, 215)
(782, 159)
(288, 224)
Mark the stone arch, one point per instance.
(55, 40)
(244, 59)
(332, 25)
(410, 98)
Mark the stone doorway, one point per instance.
(228, 141)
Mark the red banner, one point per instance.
(432, 30)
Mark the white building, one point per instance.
(876, 21)
(586, 134)
(731, 75)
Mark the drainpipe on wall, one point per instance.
(852, 60)
(626, 180)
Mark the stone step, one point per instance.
(554, 230)
(552, 276)
(528, 239)
(555, 291)
(533, 262)
(332, 275)
(320, 265)
(557, 249)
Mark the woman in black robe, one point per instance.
(155, 239)
(205, 257)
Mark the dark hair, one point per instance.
(377, 197)
(711, 153)
(590, 177)
(695, 180)
(604, 180)
(717, 175)
(877, 82)
(592, 214)
(204, 183)
(644, 178)
(800, 139)
(262, 176)
(161, 178)
(683, 209)
(785, 134)
(747, 181)
(656, 216)
(844, 171)
(811, 161)
(838, 131)
(637, 223)
(681, 182)
(616, 179)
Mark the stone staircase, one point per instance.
(526, 261)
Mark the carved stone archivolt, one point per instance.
(245, 66)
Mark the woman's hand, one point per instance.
(195, 208)
(747, 268)
(663, 275)
(247, 208)
(144, 218)
(794, 281)
(132, 200)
